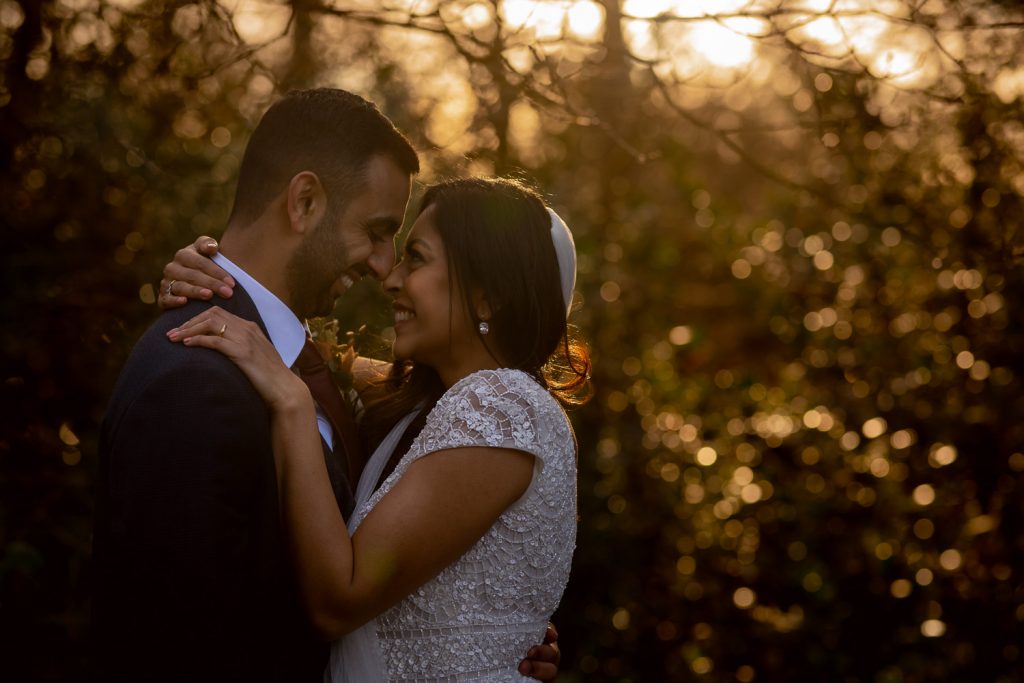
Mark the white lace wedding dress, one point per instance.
(478, 617)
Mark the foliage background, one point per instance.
(800, 272)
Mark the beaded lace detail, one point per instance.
(478, 617)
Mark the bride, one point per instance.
(453, 566)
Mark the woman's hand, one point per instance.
(245, 344)
(192, 275)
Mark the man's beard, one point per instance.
(314, 268)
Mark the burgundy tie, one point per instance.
(317, 376)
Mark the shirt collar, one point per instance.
(287, 333)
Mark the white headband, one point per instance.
(565, 250)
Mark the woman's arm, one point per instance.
(444, 503)
(450, 497)
(192, 275)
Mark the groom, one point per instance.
(192, 572)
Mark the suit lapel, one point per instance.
(241, 304)
(339, 481)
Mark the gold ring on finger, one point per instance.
(223, 329)
(168, 291)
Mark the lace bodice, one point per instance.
(477, 618)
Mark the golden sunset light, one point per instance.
(749, 274)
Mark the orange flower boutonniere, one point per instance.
(338, 355)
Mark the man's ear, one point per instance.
(307, 202)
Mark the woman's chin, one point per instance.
(400, 352)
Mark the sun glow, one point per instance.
(684, 36)
(586, 19)
(864, 33)
(645, 9)
(126, 4)
(904, 67)
(476, 16)
(640, 38)
(691, 43)
(545, 18)
(258, 22)
(697, 43)
(825, 31)
(1009, 85)
(720, 45)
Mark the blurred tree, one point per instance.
(800, 270)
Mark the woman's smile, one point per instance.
(402, 314)
(432, 325)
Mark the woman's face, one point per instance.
(432, 326)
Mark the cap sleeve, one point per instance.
(491, 408)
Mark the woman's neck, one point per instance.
(467, 362)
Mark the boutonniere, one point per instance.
(337, 354)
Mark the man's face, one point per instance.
(353, 238)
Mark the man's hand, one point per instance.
(192, 275)
(542, 661)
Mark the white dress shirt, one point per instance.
(287, 333)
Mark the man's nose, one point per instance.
(382, 260)
(393, 280)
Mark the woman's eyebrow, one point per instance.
(418, 243)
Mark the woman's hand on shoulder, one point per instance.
(245, 344)
(192, 275)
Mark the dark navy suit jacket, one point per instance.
(193, 581)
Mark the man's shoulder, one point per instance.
(158, 364)
(240, 304)
(154, 341)
(156, 353)
(166, 386)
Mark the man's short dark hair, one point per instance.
(330, 132)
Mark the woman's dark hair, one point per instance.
(497, 236)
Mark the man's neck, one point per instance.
(263, 262)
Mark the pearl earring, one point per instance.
(484, 327)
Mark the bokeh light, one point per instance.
(799, 271)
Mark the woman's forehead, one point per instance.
(425, 228)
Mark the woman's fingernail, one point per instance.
(225, 292)
(205, 293)
(229, 280)
(212, 243)
(186, 341)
